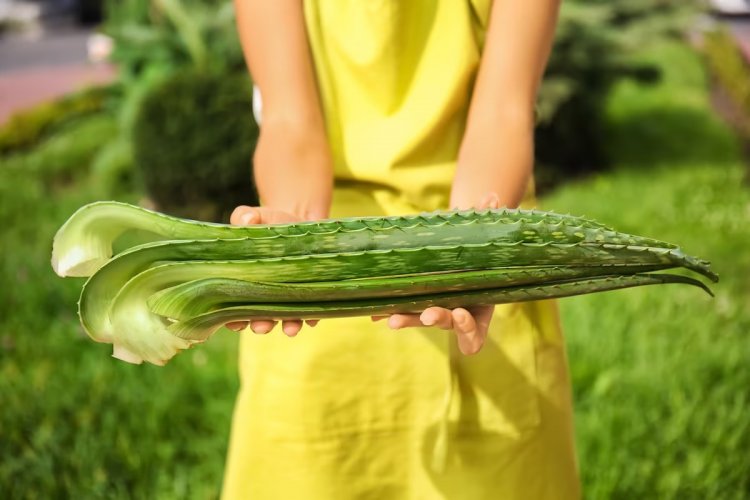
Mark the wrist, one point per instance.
(293, 169)
(293, 121)
(501, 163)
(493, 125)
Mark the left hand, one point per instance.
(470, 325)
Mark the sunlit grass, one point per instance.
(662, 376)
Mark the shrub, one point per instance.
(65, 156)
(166, 35)
(26, 128)
(594, 47)
(193, 139)
(154, 40)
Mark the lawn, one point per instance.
(661, 375)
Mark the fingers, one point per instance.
(470, 327)
(291, 327)
(467, 334)
(397, 321)
(432, 316)
(244, 215)
(262, 326)
(490, 200)
(438, 317)
(237, 326)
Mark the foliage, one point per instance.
(594, 47)
(166, 35)
(65, 155)
(193, 140)
(154, 40)
(112, 168)
(73, 424)
(28, 127)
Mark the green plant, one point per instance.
(28, 127)
(166, 35)
(348, 267)
(112, 167)
(153, 40)
(193, 139)
(594, 48)
(65, 155)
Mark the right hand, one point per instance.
(245, 216)
(294, 175)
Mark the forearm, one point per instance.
(293, 170)
(496, 153)
(274, 41)
(498, 158)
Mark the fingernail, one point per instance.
(429, 321)
(494, 201)
(459, 318)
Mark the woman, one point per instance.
(390, 107)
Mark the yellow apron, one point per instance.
(351, 409)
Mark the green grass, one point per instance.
(74, 423)
(661, 375)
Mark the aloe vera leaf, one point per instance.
(134, 330)
(84, 242)
(113, 306)
(101, 288)
(196, 297)
(201, 327)
(282, 251)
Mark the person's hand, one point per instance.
(469, 324)
(294, 175)
(245, 216)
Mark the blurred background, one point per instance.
(644, 124)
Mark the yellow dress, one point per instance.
(351, 409)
